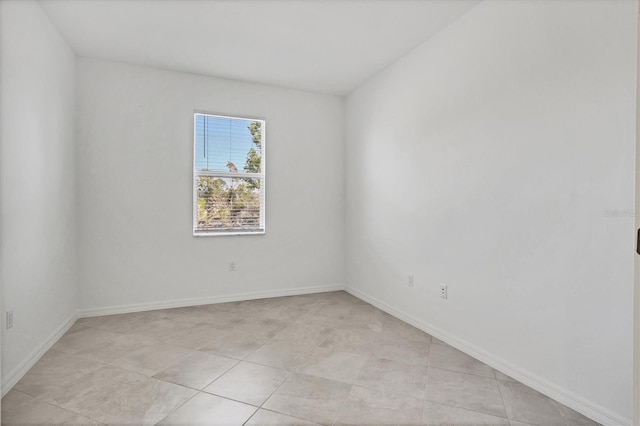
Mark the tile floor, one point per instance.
(325, 358)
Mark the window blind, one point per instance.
(229, 184)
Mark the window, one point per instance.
(228, 175)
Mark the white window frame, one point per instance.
(261, 176)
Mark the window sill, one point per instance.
(228, 233)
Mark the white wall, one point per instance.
(37, 182)
(135, 189)
(486, 159)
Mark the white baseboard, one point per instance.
(180, 303)
(592, 410)
(14, 376)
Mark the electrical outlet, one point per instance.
(410, 280)
(9, 321)
(232, 266)
(443, 291)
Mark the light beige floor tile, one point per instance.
(573, 418)
(394, 377)
(145, 404)
(151, 359)
(366, 406)
(503, 377)
(358, 338)
(269, 418)
(449, 358)
(282, 354)
(223, 317)
(204, 409)
(234, 344)
(100, 345)
(364, 313)
(186, 316)
(303, 301)
(400, 348)
(250, 383)
(394, 329)
(261, 326)
(329, 311)
(196, 370)
(257, 306)
(158, 328)
(335, 296)
(76, 326)
(308, 332)
(103, 382)
(53, 370)
(122, 323)
(443, 415)
(527, 405)
(115, 396)
(21, 409)
(221, 307)
(194, 337)
(342, 366)
(310, 398)
(465, 391)
(287, 312)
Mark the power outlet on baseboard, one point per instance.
(9, 319)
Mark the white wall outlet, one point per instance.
(410, 280)
(232, 266)
(443, 291)
(9, 321)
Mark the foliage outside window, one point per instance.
(229, 182)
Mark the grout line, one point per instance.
(183, 385)
(470, 410)
(502, 398)
(464, 408)
(250, 417)
(178, 407)
(261, 407)
(276, 389)
(55, 405)
(288, 415)
(219, 376)
(266, 365)
(426, 385)
(344, 403)
(462, 372)
(229, 399)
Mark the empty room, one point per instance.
(319, 212)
